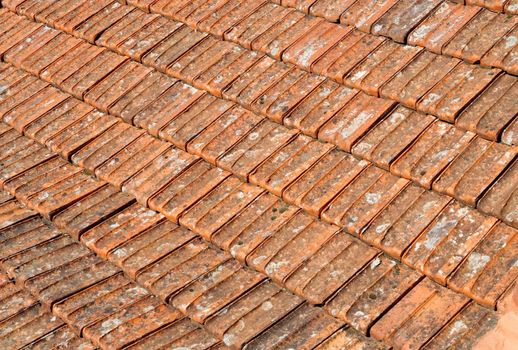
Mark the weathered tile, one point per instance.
(354, 120)
(420, 314)
(402, 18)
(441, 25)
(503, 53)
(363, 14)
(371, 292)
(490, 268)
(403, 220)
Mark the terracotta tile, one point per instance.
(16, 34)
(61, 337)
(223, 134)
(79, 15)
(481, 174)
(179, 277)
(181, 333)
(233, 17)
(372, 292)
(490, 28)
(359, 203)
(499, 200)
(32, 43)
(120, 228)
(275, 73)
(216, 209)
(354, 120)
(387, 140)
(330, 9)
(23, 161)
(233, 81)
(223, 294)
(131, 160)
(402, 18)
(49, 53)
(465, 329)
(285, 166)
(198, 118)
(433, 151)
(456, 89)
(80, 82)
(314, 44)
(363, 14)
(268, 40)
(449, 178)
(403, 220)
(304, 328)
(256, 311)
(495, 5)
(99, 301)
(258, 221)
(172, 48)
(489, 269)
(20, 93)
(320, 106)
(341, 256)
(320, 184)
(101, 21)
(149, 247)
(34, 107)
(157, 174)
(418, 315)
(92, 210)
(206, 79)
(492, 110)
(37, 260)
(258, 145)
(379, 66)
(141, 96)
(256, 24)
(281, 254)
(53, 13)
(76, 136)
(509, 135)
(66, 280)
(349, 52)
(416, 79)
(460, 240)
(23, 234)
(291, 98)
(27, 327)
(205, 61)
(449, 225)
(141, 318)
(144, 40)
(348, 338)
(72, 61)
(441, 25)
(126, 27)
(187, 59)
(109, 149)
(196, 12)
(108, 91)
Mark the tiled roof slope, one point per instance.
(264, 175)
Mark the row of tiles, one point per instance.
(26, 324)
(463, 32)
(432, 153)
(475, 98)
(445, 27)
(369, 202)
(234, 303)
(303, 171)
(90, 295)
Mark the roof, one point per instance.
(193, 174)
